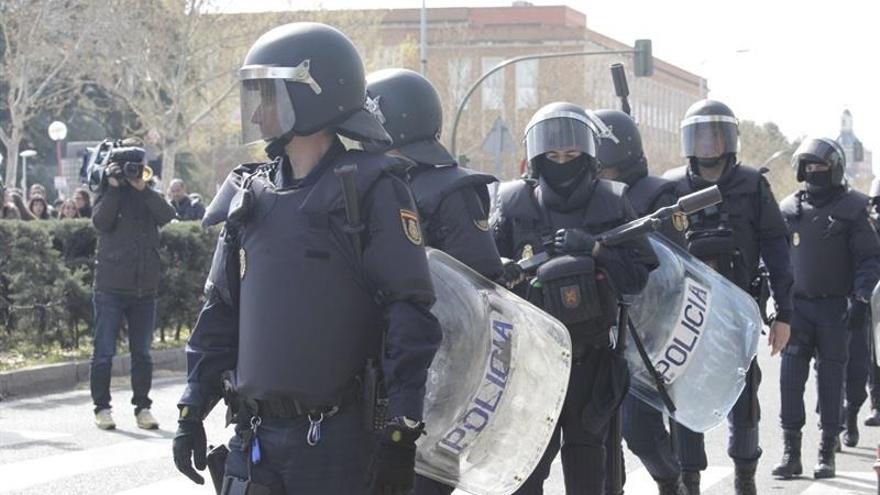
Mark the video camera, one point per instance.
(129, 158)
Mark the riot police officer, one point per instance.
(561, 208)
(622, 158)
(290, 257)
(835, 254)
(874, 373)
(453, 202)
(732, 238)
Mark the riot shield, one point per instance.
(496, 386)
(700, 332)
(875, 324)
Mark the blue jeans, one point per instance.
(140, 313)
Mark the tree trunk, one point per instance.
(169, 159)
(11, 158)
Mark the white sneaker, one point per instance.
(146, 421)
(104, 420)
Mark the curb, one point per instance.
(66, 376)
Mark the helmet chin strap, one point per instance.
(275, 148)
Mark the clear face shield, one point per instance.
(562, 131)
(709, 136)
(267, 112)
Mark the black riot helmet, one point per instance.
(301, 78)
(820, 150)
(409, 107)
(622, 150)
(709, 130)
(559, 126)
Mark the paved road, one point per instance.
(49, 445)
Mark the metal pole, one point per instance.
(58, 171)
(424, 34)
(24, 186)
(511, 61)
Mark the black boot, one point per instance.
(851, 435)
(691, 480)
(791, 456)
(671, 486)
(825, 466)
(744, 479)
(874, 418)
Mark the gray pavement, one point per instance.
(48, 444)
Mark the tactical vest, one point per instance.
(644, 194)
(821, 258)
(726, 236)
(308, 320)
(591, 311)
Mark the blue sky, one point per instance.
(796, 63)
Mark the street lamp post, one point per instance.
(57, 133)
(24, 156)
(511, 61)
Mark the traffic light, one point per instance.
(643, 61)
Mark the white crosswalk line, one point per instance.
(10, 438)
(18, 475)
(713, 475)
(178, 486)
(845, 483)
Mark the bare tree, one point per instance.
(173, 64)
(38, 70)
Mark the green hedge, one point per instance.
(46, 272)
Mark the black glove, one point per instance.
(512, 275)
(190, 444)
(392, 471)
(858, 314)
(574, 241)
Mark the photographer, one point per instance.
(127, 214)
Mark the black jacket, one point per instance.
(187, 209)
(128, 221)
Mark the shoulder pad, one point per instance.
(744, 180)
(371, 167)
(514, 199)
(432, 185)
(219, 207)
(788, 206)
(607, 204)
(851, 205)
(613, 187)
(676, 174)
(645, 193)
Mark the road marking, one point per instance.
(178, 486)
(851, 482)
(640, 481)
(18, 475)
(10, 438)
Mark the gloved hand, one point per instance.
(574, 241)
(858, 314)
(392, 471)
(190, 444)
(513, 273)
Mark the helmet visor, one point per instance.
(708, 136)
(266, 110)
(560, 134)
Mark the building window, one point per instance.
(459, 79)
(527, 84)
(493, 87)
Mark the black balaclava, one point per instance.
(819, 187)
(564, 177)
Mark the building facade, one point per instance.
(463, 43)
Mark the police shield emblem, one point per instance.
(411, 228)
(680, 221)
(571, 296)
(527, 252)
(796, 239)
(496, 385)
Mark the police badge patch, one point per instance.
(527, 252)
(795, 239)
(242, 262)
(571, 296)
(411, 228)
(680, 221)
